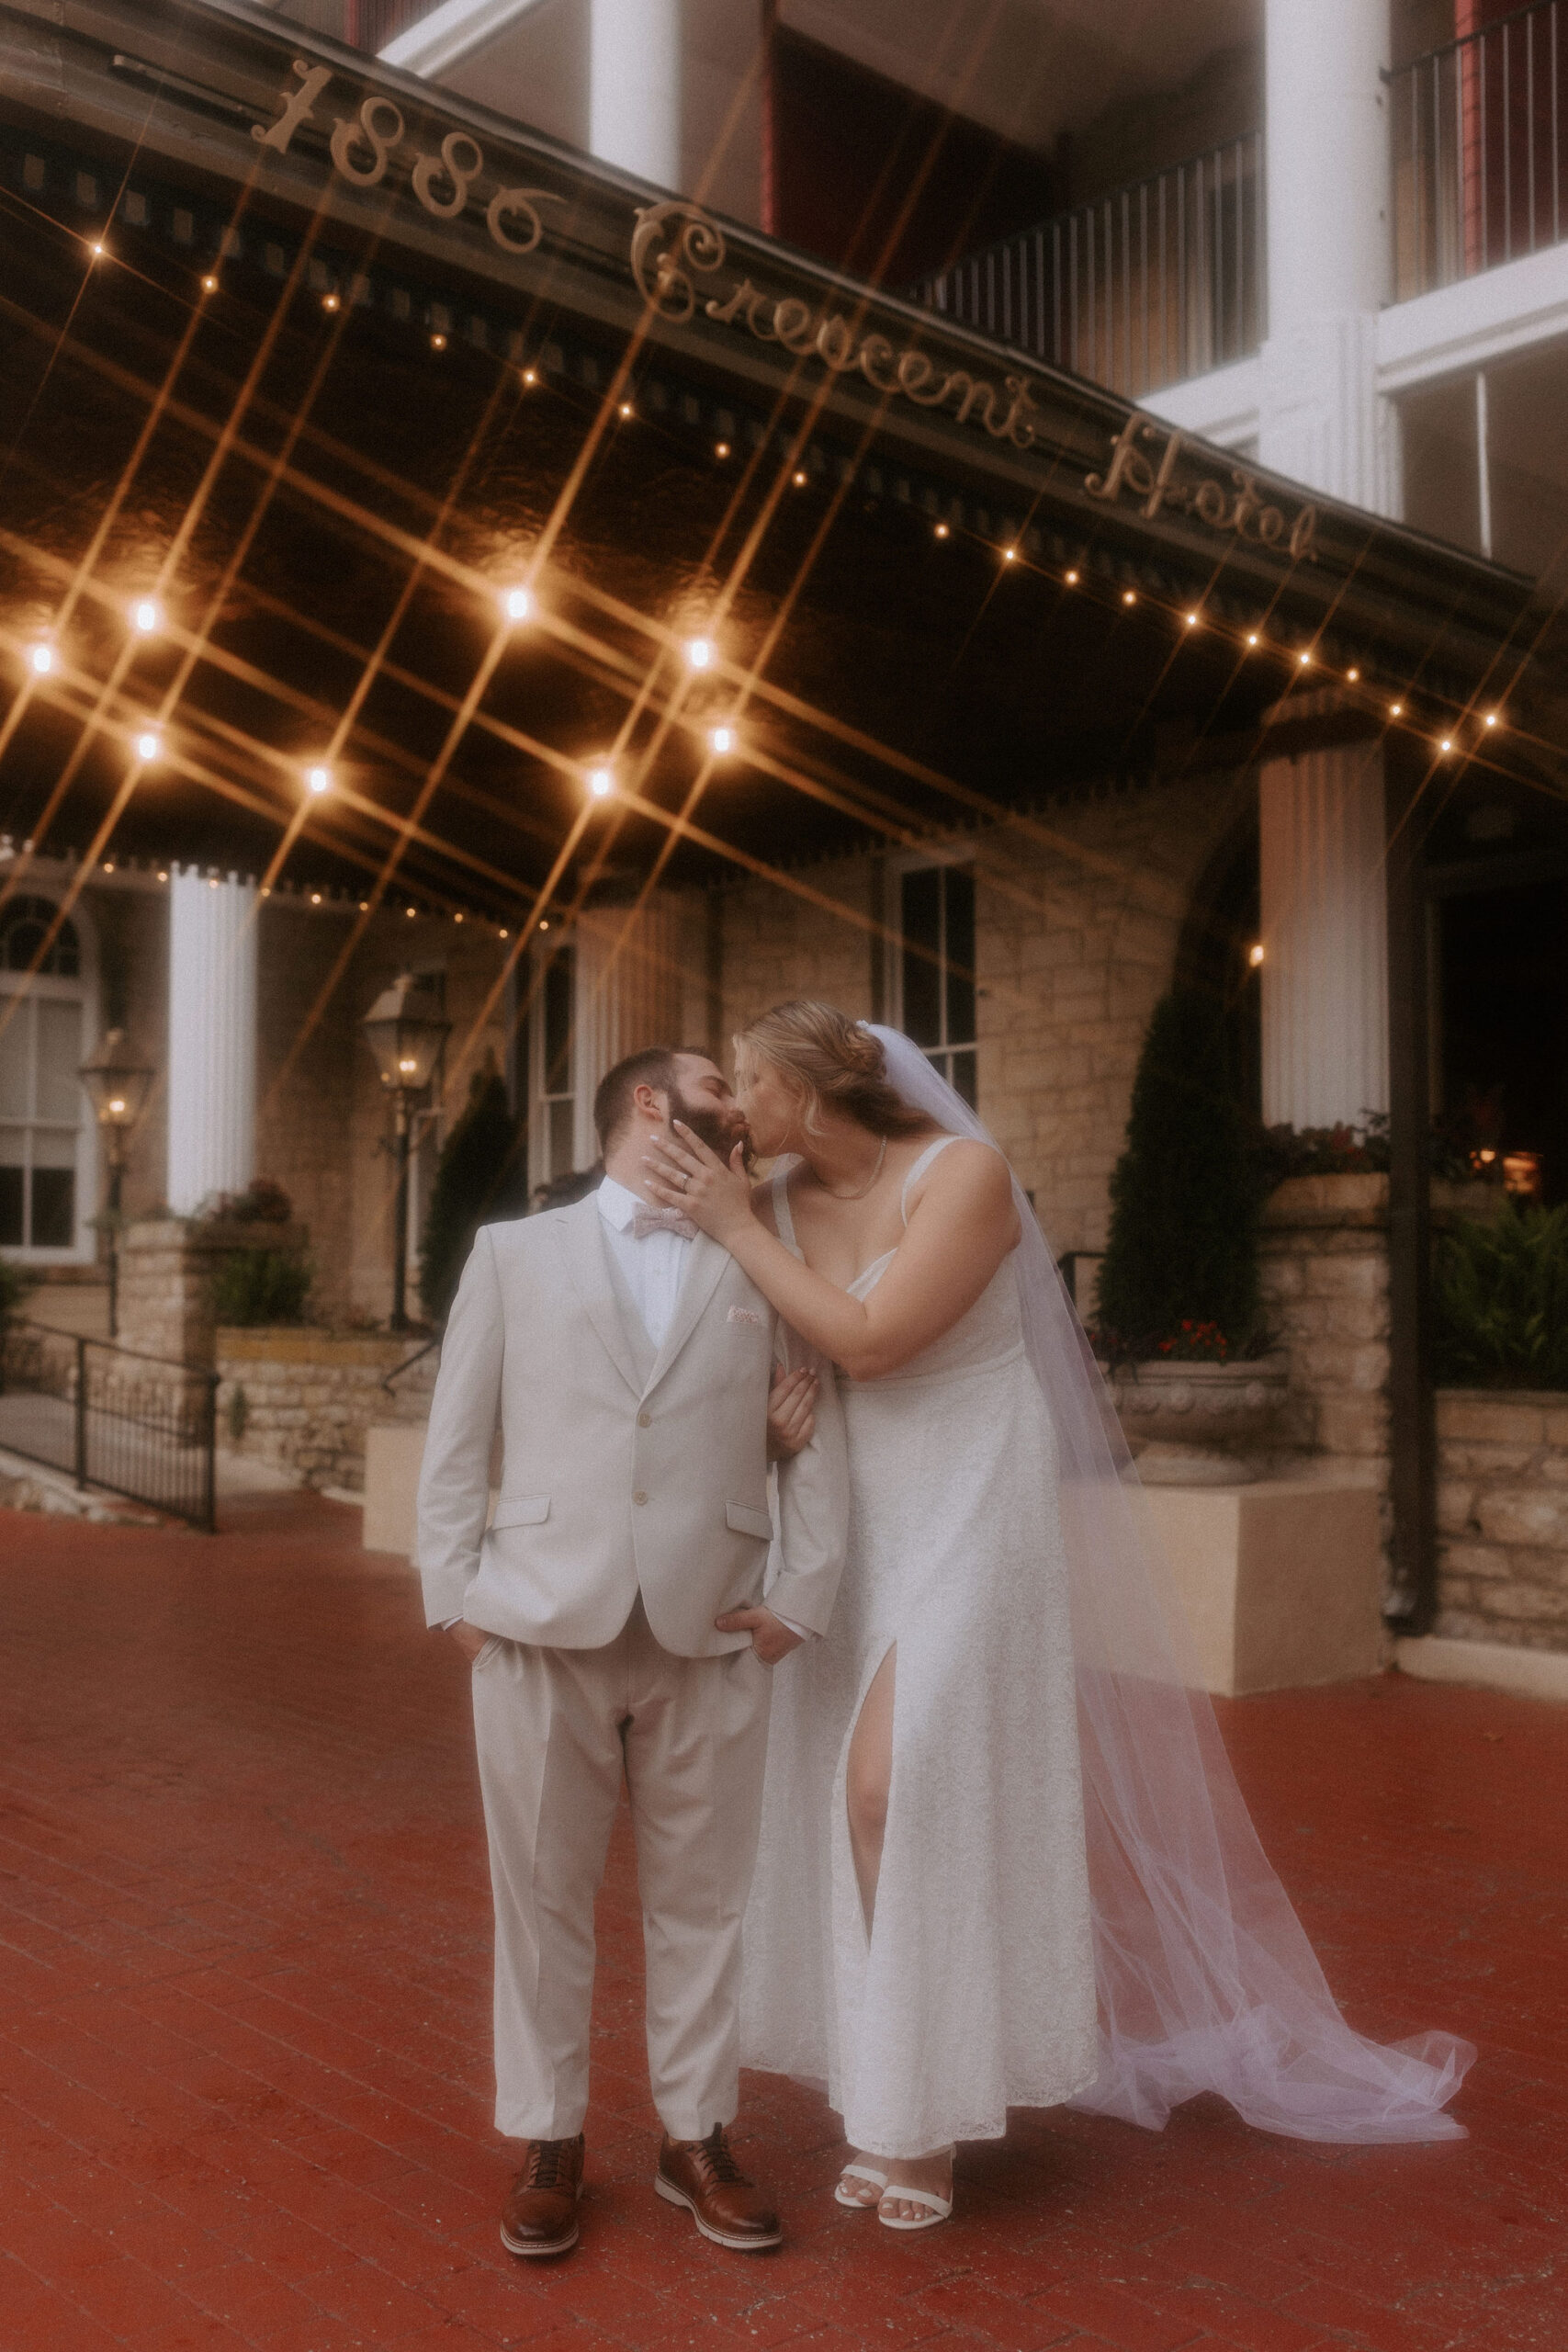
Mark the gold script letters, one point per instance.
(1240, 509)
(674, 243)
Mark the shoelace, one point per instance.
(548, 2164)
(713, 2153)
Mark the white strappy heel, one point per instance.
(938, 2208)
(859, 2172)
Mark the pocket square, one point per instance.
(746, 1315)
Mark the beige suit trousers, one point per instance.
(556, 1729)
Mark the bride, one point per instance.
(1004, 1860)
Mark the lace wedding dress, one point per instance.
(976, 1986)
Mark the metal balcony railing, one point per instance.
(1159, 280)
(1480, 162)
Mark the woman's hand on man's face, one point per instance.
(682, 1173)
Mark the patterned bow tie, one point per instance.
(645, 1220)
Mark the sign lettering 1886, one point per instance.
(675, 243)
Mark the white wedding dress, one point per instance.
(977, 1987)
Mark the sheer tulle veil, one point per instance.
(1206, 1980)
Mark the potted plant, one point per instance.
(1179, 1311)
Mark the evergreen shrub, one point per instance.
(1184, 1198)
(1501, 1301)
(480, 1176)
(254, 1286)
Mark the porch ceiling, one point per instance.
(328, 508)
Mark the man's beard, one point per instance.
(721, 1130)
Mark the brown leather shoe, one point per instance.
(540, 2214)
(703, 2175)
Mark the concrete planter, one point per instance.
(1190, 1424)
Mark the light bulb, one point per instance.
(43, 660)
(600, 784)
(723, 740)
(530, 375)
(329, 301)
(699, 652)
(1192, 620)
(145, 616)
(1009, 555)
(1072, 579)
(519, 604)
(1129, 596)
(1353, 675)
(941, 531)
(318, 780)
(1446, 743)
(438, 343)
(721, 449)
(210, 284)
(148, 746)
(407, 1064)
(1396, 710)
(799, 481)
(1304, 659)
(1252, 636)
(1254, 955)
(1491, 718)
(116, 1107)
(626, 408)
(315, 897)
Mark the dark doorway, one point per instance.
(1504, 975)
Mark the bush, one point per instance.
(14, 1288)
(262, 1286)
(1184, 1198)
(481, 1175)
(1501, 1301)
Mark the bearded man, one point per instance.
(615, 1616)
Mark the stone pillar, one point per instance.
(213, 1037)
(1320, 420)
(634, 87)
(1325, 934)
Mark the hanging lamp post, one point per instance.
(405, 1030)
(117, 1088)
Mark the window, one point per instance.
(932, 975)
(43, 1133)
(553, 1066)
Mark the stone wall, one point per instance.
(1503, 1517)
(1079, 918)
(1325, 1281)
(166, 1269)
(301, 1400)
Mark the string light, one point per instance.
(722, 740)
(209, 284)
(1252, 636)
(1305, 660)
(43, 660)
(626, 408)
(941, 532)
(1254, 955)
(544, 926)
(318, 780)
(145, 617)
(364, 906)
(1396, 710)
(329, 301)
(1129, 596)
(699, 652)
(799, 481)
(1009, 555)
(148, 746)
(721, 449)
(315, 897)
(1072, 579)
(459, 916)
(1192, 620)
(163, 874)
(410, 912)
(503, 934)
(1353, 675)
(97, 252)
(530, 375)
(1446, 743)
(438, 343)
(1491, 719)
(601, 783)
(518, 604)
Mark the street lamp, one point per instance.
(405, 1030)
(117, 1088)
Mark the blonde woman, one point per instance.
(1004, 1858)
(924, 1812)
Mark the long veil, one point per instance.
(1205, 1978)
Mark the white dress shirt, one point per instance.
(653, 1267)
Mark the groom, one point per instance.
(613, 1614)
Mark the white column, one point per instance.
(213, 1037)
(1325, 934)
(1327, 163)
(634, 86)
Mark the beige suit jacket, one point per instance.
(624, 1469)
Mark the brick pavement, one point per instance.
(243, 2001)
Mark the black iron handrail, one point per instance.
(152, 1438)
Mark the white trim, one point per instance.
(82, 991)
(1463, 326)
(452, 32)
(1493, 1665)
(1222, 407)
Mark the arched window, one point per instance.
(44, 1158)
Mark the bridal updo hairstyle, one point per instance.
(829, 1061)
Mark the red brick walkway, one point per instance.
(244, 1997)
